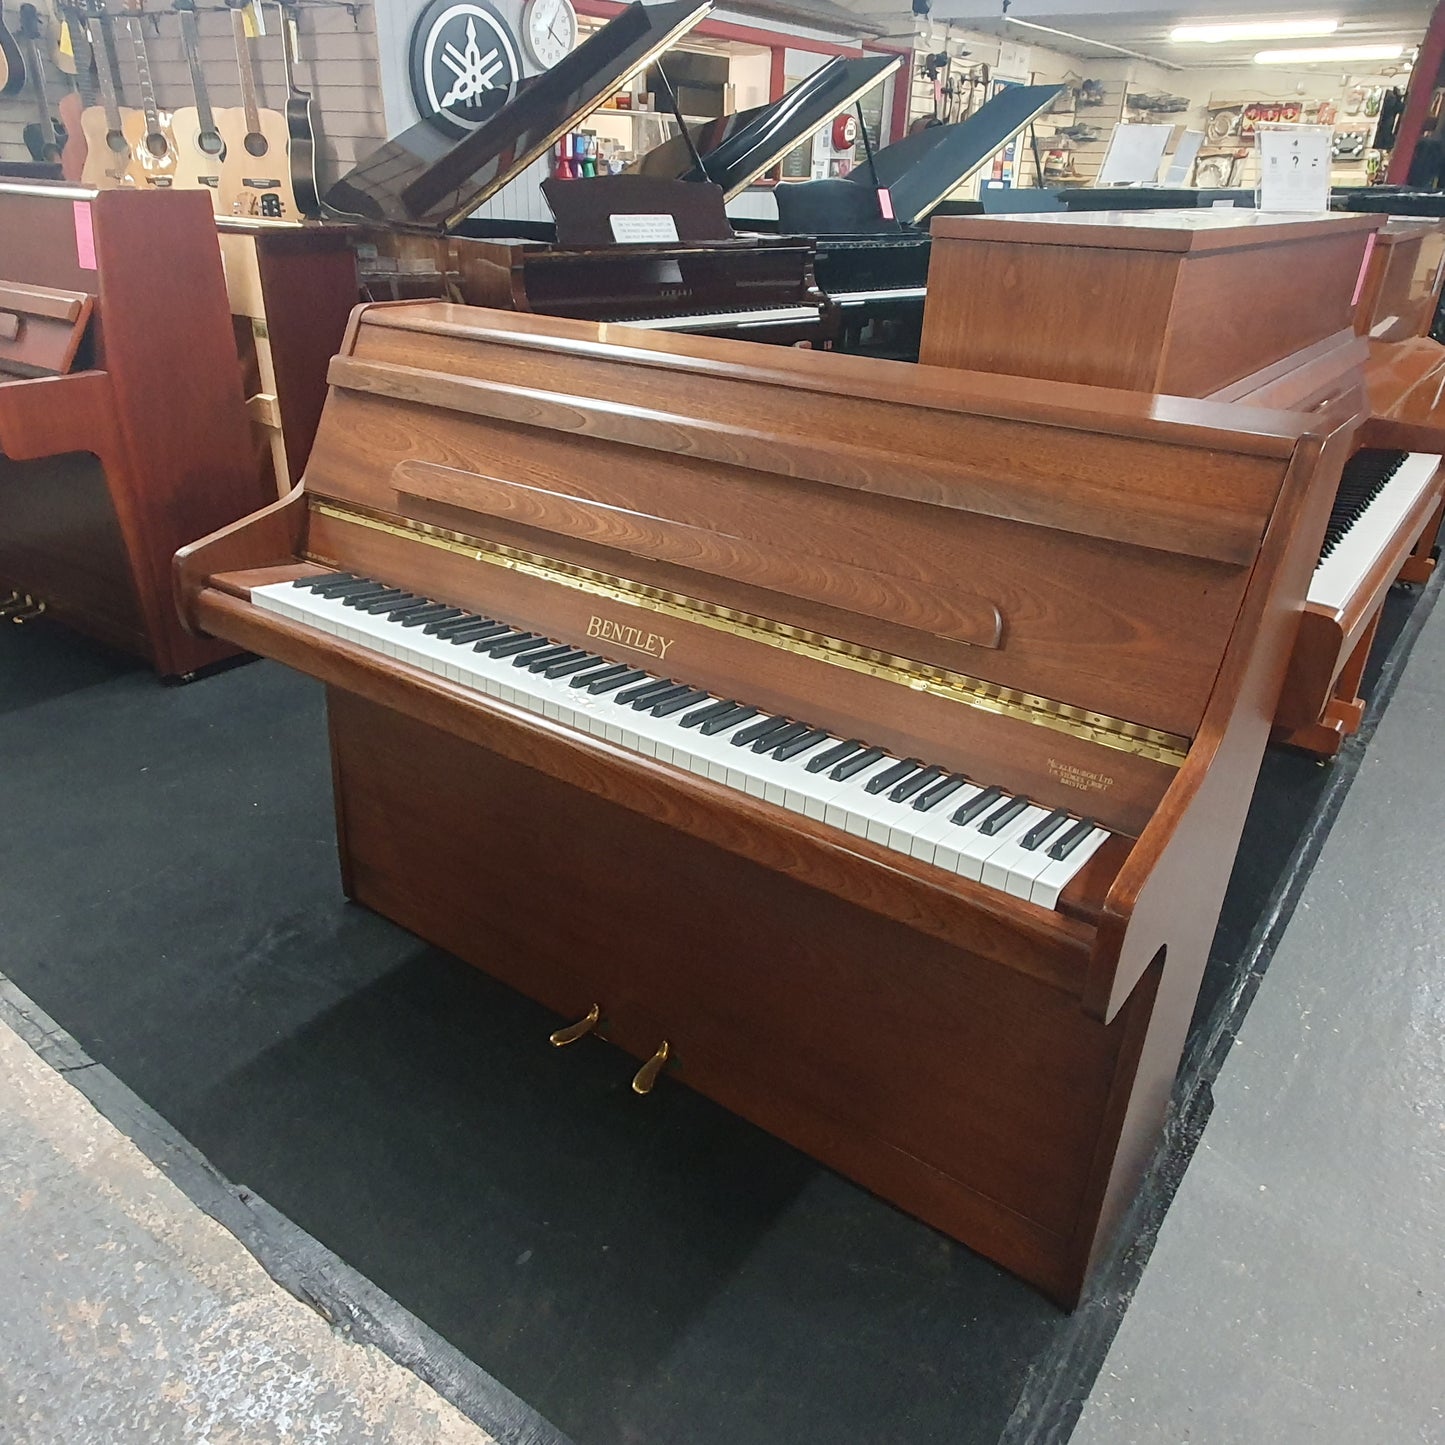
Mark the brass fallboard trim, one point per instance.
(1109, 732)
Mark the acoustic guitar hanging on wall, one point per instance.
(44, 138)
(149, 130)
(199, 147)
(255, 174)
(108, 159)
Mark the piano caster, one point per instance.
(646, 1076)
(584, 1026)
(22, 614)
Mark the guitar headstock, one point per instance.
(184, 7)
(30, 24)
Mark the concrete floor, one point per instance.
(1297, 1289)
(128, 1315)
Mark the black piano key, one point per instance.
(975, 806)
(760, 729)
(362, 588)
(571, 654)
(475, 632)
(586, 679)
(896, 774)
(920, 780)
(445, 626)
(341, 586)
(932, 797)
(706, 714)
(1072, 838)
(514, 645)
(467, 628)
(324, 579)
(857, 763)
(651, 699)
(554, 653)
(801, 744)
(676, 704)
(783, 735)
(1363, 479)
(367, 599)
(1003, 816)
(716, 725)
(588, 660)
(608, 680)
(646, 688)
(1042, 832)
(438, 612)
(833, 756)
(512, 634)
(403, 604)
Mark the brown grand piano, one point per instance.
(122, 427)
(699, 278)
(1191, 311)
(864, 744)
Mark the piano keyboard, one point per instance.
(706, 320)
(1377, 492)
(866, 298)
(956, 823)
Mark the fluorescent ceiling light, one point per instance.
(1253, 30)
(1325, 53)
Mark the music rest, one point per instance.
(1073, 604)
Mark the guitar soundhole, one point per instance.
(156, 144)
(116, 141)
(210, 143)
(256, 144)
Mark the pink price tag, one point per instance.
(1364, 267)
(885, 203)
(84, 236)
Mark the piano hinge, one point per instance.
(1109, 732)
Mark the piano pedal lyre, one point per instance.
(646, 1076)
(584, 1026)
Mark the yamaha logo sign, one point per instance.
(463, 64)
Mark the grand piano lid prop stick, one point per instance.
(979, 783)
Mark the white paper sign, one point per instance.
(1294, 168)
(1134, 155)
(643, 230)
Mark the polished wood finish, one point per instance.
(130, 436)
(1136, 556)
(1183, 302)
(1401, 289)
(41, 329)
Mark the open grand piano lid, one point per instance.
(922, 169)
(420, 181)
(737, 149)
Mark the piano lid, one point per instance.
(921, 169)
(737, 149)
(421, 180)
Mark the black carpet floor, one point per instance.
(636, 1270)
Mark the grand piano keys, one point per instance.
(122, 428)
(1071, 603)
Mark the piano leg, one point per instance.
(978, 1097)
(1345, 708)
(1421, 562)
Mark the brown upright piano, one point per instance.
(1179, 302)
(696, 277)
(864, 745)
(122, 427)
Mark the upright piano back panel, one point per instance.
(1401, 288)
(1101, 570)
(1182, 302)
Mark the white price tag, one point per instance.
(643, 230)
(1294, 168)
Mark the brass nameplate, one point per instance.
(1109, 732)
(634, 639)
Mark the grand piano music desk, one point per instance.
(879, 779)
(122, 425)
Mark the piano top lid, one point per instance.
(737, 149)
(922, 169)
(1182, 231)
(420, 181)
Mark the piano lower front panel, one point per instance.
(977, 1097)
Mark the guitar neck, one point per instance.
(143, 73)
(248, 74)
(288, 48)
(105, 73)
(190, 39)
(84, 54)
(35, 69)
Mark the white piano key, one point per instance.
(1061, 872)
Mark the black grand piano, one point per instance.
(871, 253)
(647, 250)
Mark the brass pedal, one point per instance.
(13, 603)
(646, 1076)
(31, 608)
(584, 1026)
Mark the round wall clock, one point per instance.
(549, 30)
(464, 64)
